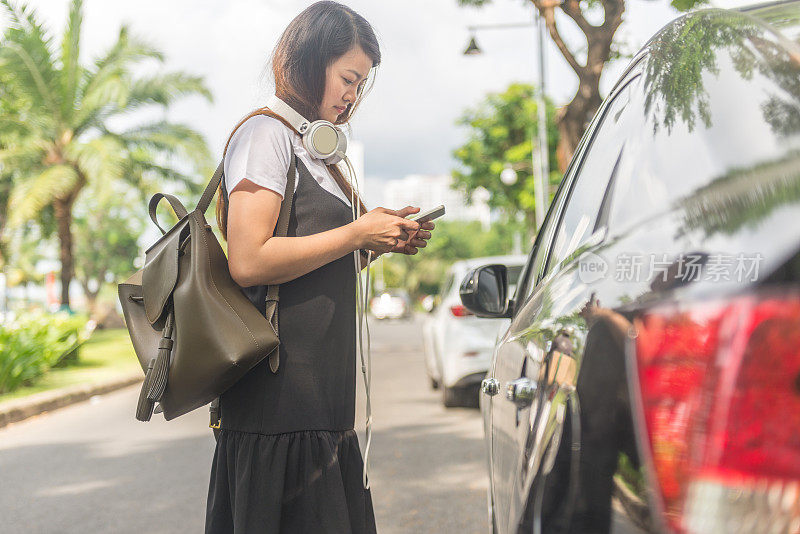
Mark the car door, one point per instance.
(535, 363)
(436, 327)
(506, 363)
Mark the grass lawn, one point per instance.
(106, 354)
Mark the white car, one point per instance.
(391, 304)
(458, 345)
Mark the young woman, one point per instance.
(287, 457)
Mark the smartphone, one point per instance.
(431, 214)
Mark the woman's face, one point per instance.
(342, 78)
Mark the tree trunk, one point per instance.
(91, 304)
(63, 213)
(91, 296)
(573, 118)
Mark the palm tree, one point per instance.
(55, 136)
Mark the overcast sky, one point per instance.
(407, 122)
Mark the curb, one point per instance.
(17, 410)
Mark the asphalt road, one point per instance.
(92, 468)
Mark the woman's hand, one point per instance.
(385, 230)
(416, 239)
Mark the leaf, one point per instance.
(34, 192)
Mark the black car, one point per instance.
(649, 380)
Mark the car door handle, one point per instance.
(521, 391)
(490, 386)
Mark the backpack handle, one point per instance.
(211, 189)
(176, 204)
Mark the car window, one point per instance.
(448, 283)
(513, 273)
(592, 178)
(533, 267)
(533, 270)
(524, 275)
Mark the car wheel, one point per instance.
(451, 397)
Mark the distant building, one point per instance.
(355, 153)
(428, 191)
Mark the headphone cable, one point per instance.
(363, 323)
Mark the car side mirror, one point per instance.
(484, 291)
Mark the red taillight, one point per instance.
(459, 310)
(720, 394)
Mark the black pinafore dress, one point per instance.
(287, 458)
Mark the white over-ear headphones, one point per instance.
(322, 139)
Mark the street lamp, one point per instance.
(508, 175)
(472, 48)
(537, 145)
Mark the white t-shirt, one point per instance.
(259, 151)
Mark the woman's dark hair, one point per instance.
(318, 36)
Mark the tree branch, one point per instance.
(601, 40)
(612, 15)
(547, 10)
(573, 9)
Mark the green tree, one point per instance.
(106, 231)
(500, 130)
(55, 133)
(22, 253)
(587, 62)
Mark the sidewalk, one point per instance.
(16, 410)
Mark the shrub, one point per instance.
(35, 341)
